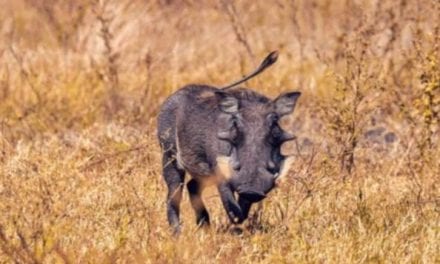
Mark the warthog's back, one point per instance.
(187, 128)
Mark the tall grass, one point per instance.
(81, 83)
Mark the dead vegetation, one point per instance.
(80, 87)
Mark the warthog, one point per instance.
(230, 138)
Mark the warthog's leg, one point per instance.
(245, 206)
(174, 177)
(231, 206)
(195, 190)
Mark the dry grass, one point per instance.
(81, 83)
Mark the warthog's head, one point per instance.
(255, 137)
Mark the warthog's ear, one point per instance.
(285, 103)
(227, 102)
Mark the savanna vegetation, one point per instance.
(81, 83)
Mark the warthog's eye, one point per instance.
(276, 135)
(236, 133)
(272, 119)
(276, 132)
(228, 129)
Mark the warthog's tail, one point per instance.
(268, 61)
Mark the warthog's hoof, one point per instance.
(236, 230)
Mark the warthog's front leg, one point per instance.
(245, 206)
(195, 190)
(230, 204)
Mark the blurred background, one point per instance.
(81, 83)
(87, 60)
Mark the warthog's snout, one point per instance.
(251, 196)
(255, 185)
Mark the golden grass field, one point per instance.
(81, 83)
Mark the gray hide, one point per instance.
(231, 139)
